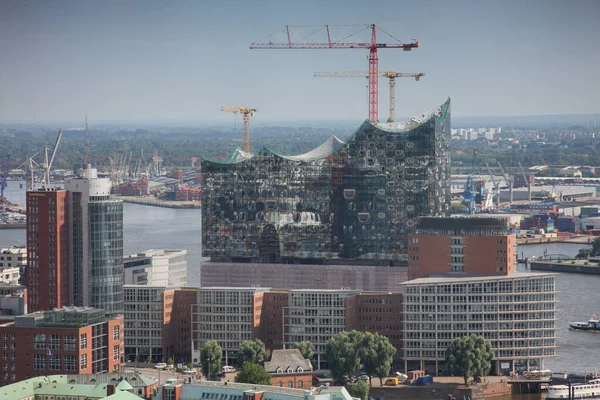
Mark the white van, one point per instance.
(227, 369)
(160, 365)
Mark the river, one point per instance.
(578, 296)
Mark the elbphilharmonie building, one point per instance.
(343, 202)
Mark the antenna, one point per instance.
(86, 156)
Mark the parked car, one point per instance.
(160, 365)
(322, 374)
(169, 366)
(316, 380)
(189, 371)
(364, 377)
(227, 369)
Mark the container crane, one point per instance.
(372, 46)
(510, 181)
(382, 74)
(469, 194)
(496, 189)
(247, 113)
(527, 182)
(48, 160)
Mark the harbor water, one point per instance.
(578, 296)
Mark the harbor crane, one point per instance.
(48, 160)
(469, 194)
(247, 113)
(527, 182)
(382, 74)
(510, 181)
(4, 176)
(496, 188)
(372, 46)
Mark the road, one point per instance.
(161, 375)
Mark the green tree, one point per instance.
(170, 361)
(377, 354)
(343, 354)
(254, 374)
(210, 358)
(595, 248)
(361, 390)
(469, 356)
(190, 365)
(252, 351)
(306, 348)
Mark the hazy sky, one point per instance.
(183, 60)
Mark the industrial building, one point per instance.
(356, 200)
(156, 268)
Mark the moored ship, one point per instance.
(589, 390)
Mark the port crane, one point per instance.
(49, 159)
(382, 74)
(509, 181)
(247, 113)
(489, 201)
(469, 194)
(372, 46)
(527, 182)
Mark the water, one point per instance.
(165, 228)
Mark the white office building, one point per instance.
(13, 261)
(515, 313)
(156, 268)
(315, 316)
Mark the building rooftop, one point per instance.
(63, 317)
(470, 278)
(232, 288)
(283, 360)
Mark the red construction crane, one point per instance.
(373, 59)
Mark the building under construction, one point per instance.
(340, 202)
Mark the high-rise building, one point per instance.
(96, 243)
(461, 246)
(47, 275)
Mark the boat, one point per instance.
(593, 324)
(589, 390)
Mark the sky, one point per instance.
(149, 60)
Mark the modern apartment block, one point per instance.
(181, 323)
(315, 316)
(156, 268)
(148, 313)
(461, 246)
(515, 313)
(70, 340)
(96, 243)
(47, 275)
(14, 257)
(227, 315)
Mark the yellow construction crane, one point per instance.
(247, 113)
(382, 74)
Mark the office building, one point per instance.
(96, 243)
(15, 256)
(181, 323)
(13, 301)
(70, 340)
(156, 268)
(227, 315)
(461, 246)
(354, 201)
(515, 313)
(47, 275)
(148, 313)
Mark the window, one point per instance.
(70, 342)
(290, 384)
(83, 341)
(280, 384)
(116, 352)
(115, 333)
(54, 342)
(83, 363)
(39, 341)
(54, 362)
(39, 361)
(70, 362)
(300, 383)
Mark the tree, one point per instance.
(149, 360)
(595, 248)
(306, 348)
(469, 356)
(361, 390)
(343, 354)
(254, 374)
(377, 354)
(210, 358)
(190, 365)
(170, 361)
(252, 351)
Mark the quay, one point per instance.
(527, 385)
(582, 239)
(570, 266)
(152, 201)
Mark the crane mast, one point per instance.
(372, 46)
(527, 182)
(382, 74)
(509, 181)
(246, 113)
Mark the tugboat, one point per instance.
(593, 324)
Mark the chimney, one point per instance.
(110, 389)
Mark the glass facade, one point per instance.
(354, 200)
(107, 275)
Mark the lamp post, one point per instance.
(208, 365)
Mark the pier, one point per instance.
(152, 201)
(526, 385)
(570, 266)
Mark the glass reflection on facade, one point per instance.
(352, 201)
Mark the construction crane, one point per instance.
(4, 176)
(509, 181)
(247, 113)
(496, 187)
(373, 57)
(48, 160)
(469, 194)
(527, 182)
(382, 74)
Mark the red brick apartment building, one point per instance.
(469, 246)
(181, 323)
(274, 305)
(47, 249)
(70, 340)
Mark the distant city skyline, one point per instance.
(182, 61)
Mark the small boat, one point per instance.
(593, 324)
(589, 390)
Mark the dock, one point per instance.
(152, 201)
(582, 239)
